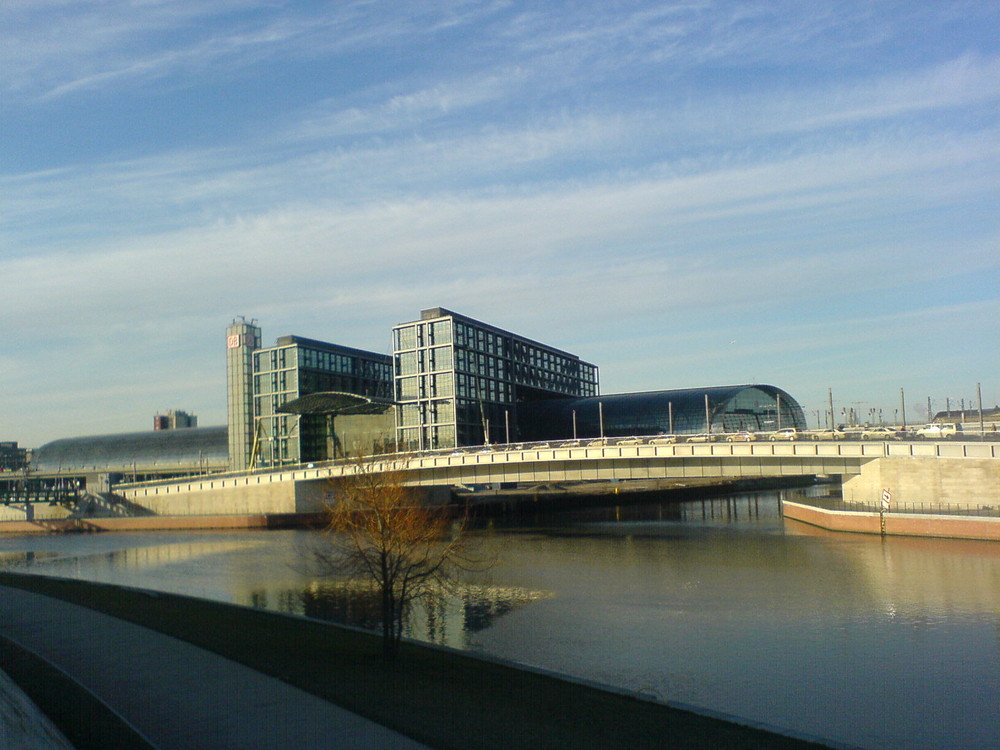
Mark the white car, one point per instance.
(833, 434)
(938, 431)
(880, 433)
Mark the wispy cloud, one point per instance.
(642, 183)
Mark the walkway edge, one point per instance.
(86, 721)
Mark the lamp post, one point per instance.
(979, 395)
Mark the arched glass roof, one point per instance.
(731, 408)
(198, 447)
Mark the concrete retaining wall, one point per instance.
(260, 494)
(917, 480)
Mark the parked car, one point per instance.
(663, 440)
(938, 431)
(703, 438)
(880, 433)
(630, 441)
(788, 433)
(741, 437)
(831, 434)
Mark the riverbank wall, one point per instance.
(70, 525)
(895, 524)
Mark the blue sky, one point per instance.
(684, 193)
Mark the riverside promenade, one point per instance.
(194, 673)
(173, 694)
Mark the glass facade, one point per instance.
(296, 367)
(754, 408)
(461, 382)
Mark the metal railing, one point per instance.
(980, 510)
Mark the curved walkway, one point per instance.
(178, 695)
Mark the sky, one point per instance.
(691, 193)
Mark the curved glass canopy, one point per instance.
(730, 408)
(192, 448)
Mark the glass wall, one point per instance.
(297, 368)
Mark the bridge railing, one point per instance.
(632, 447)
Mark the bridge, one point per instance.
(944, 471)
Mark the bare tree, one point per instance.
(385, 533)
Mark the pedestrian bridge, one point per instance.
(947, 469)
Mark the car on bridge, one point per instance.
(703, 438)
(741, 437)
(788, 433)
(829, 434)
(881, 433)
(663, 440)
(630, 441)
(938, 431)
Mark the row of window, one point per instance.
(324, 360)
(427, 438)
(427, 412)
(439, 385)
(422, 334)
(485, 342)
(273, 359)
(424, 360)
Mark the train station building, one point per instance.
(451, 381)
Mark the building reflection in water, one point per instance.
(445, 617)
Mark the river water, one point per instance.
(721, 604)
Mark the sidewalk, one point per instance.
(178, 695)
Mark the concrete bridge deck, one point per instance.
(946, 471)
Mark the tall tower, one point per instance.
(242, 340)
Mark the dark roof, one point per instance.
(334, 402)
(192, 447)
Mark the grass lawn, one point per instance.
(441, 698)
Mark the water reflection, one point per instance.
(446, 617)
(880, 643)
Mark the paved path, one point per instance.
(178, 695)
(22, 725)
